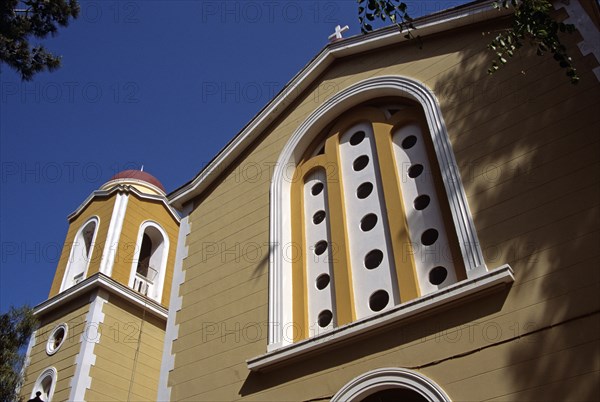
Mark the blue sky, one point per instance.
(163, 84)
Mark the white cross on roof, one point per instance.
(337, 35)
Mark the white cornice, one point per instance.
(100, 280)
(460, 292)
(124, 189)
(428, 25)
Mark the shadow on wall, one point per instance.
(528, 151)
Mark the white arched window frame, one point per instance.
(79, 260)
(153, 290)
(280, 272)
(389, 378)
(46, 384)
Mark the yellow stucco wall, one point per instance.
(138, 211)
(527, 147)
(101, 208)
(63, 360)
(128, 355)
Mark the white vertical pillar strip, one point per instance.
(175, 303)
(86, 358)
(411, 157)
(27, 360)
(361, 242)
(586, 27)
(321, 311)
(114, 233)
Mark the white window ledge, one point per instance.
(459, 292)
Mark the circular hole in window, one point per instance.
(379, 300)
(409, 142)
(415, 171)
(317, 188)
(421, 202)
(364, 190)
(56, 339)
(323, 281)
(320, 247)
(325, 318)
(373, 259)
(368, 222)
(319, 217)
(438, 275)
(360, 163)
(357, 138)
(429, 237)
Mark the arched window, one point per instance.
(367, 218)
(391, 384)
(149, 265)
(45, 384)
(81, 254)
(367, 213)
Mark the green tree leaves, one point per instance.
(532, 24)
(394, 10)
(16, 327)
(22, 20)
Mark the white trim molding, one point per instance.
(99, 280)
(77, 248)
(586, 27)
(38, 386)
(86, 358)
(114, 233)
(388, 378)
(428, 25)
(172, 328)
(280, 271)
(156, 289)
(27, 361)
(448, 297)
(50, 347)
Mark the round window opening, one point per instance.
(360, 163)
(409, 142)
(421, 202)
(379, 300)
(323, 281)
(57, 338)
(320, 247)
(319, 217)
(357, 138)
(373, 259)
(325, 318)
(438, 275)
(364, 190)
(317, 188)
(415, 171)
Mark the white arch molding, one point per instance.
(388, 378)
(77, 260)
(280, 286)
(156, 289)
(46, 384)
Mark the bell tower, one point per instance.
(102, 327)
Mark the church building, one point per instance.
(394, 225)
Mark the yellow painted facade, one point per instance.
(74, 315)
(527, 149)
(128, 355)
(102, 209)
(138, 212)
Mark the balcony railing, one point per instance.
(141, 283)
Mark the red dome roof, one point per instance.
(139, 175)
